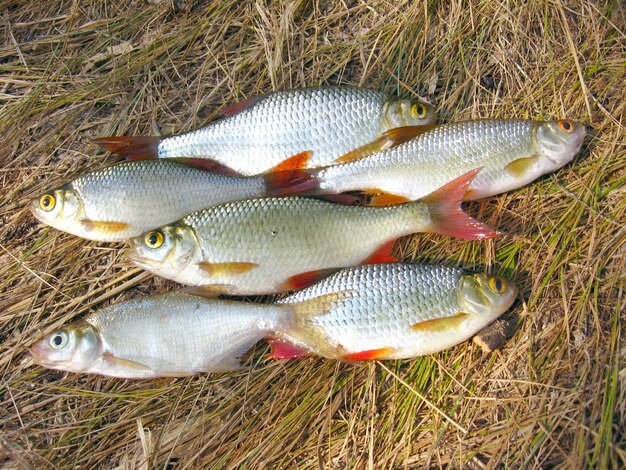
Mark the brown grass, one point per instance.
(554, 396)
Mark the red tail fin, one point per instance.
(447, 215)
(291, 176)
(133, 148)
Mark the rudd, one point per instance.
(260, 133)
(127, 199)
(391, 311)
(263, 246)
(510, 153)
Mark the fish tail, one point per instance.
(447, 216)
(300, 336)
(133, 148)
(291, 177)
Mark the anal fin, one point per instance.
(379, 199)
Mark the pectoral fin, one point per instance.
(226, 269)
(438, 325)
(520, 166)
(125, 363)
(104, 227)
(387, 140)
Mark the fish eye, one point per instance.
(419, 110)
(565, 125)
(58, 340)
(154, 239)
(497, 284)
(47, 202)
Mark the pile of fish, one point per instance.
(303, 190)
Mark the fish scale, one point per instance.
(378, 304)
(267, 245)
(330, 121)
(510, 153)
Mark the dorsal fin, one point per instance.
(232, 109)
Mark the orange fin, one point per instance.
(226, 269)
(447, 215)
(133, 148)
(206, 164)
(344, 199)
(381, 353)
(291, 177)
(520, 166)
(387, 140)
(437, 325)
(386, 199)
(106, 227)
(240, 106)
(282, 349)
(384, 254)
(302, 280)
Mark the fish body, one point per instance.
(395, 311)
(174, 334)
(268, 245)
(368, 312)
(262, 132)
(510, 153)
(127, 199)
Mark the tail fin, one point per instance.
(447, 215)
(291, 177)
(302, 332)
(133, 148)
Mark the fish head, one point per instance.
(167, 251)
(485, 297)
(73, 348)
(402, 112)
(60, 208)
(557, 142)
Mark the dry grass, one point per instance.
(554, 396)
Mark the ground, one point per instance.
(551, 397)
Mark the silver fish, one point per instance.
(259, 133)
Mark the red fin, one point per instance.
(242, 105)
(290, 176)
(447, 215)
(282, 349)
(206, 164)
(344, 199)
(388, 139)
(381, 353)
(133, 148)
(386, 199)
(384, 254)
(299, 281)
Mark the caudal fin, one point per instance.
(447, 215)
(133, 148)
(291, 176)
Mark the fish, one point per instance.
(391, 311)
(169, 335)
(129, 198)
(263, 246)
(259, 133)
(510, 153)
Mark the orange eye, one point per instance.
(565, 125)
